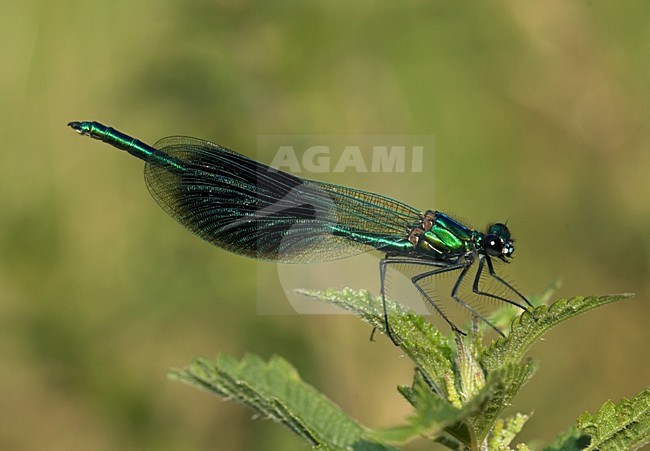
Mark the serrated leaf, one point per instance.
(450, 442)
(434, 415)
(274, 390)
(505, 430)
(570, 440)
(470, 374)
(503, 316)
(625, 425)
(467, 426)
(527, 328)
(425, 345)
(431, 413)
(506, 382)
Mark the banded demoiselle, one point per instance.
(251, 209)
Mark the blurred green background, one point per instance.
(540, 114)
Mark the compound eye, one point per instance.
(493, 245)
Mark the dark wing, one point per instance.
(252, 209)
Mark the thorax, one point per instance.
(441, 237)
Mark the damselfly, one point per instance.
(254, 210)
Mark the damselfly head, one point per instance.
(498, 243)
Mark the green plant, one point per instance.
(458, 392)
